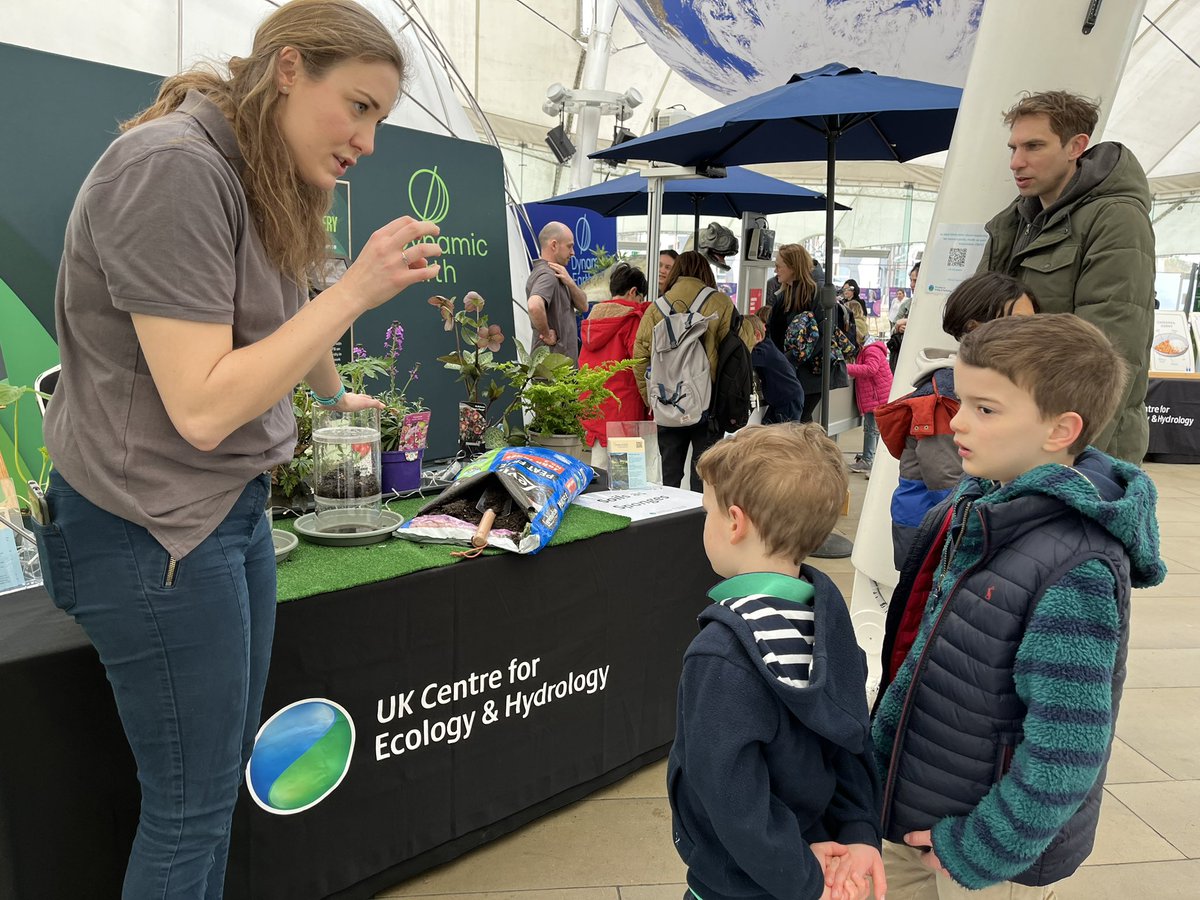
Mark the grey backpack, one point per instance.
(679, 382)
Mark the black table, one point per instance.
(1173, 408)
(623, 603)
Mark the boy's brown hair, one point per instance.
(789, 479)
(1069, 114)
(1063, 362)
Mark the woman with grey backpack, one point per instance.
(675, 361)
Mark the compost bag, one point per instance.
(528, 488)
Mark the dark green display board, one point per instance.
(65, 112)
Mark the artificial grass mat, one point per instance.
(317, 569)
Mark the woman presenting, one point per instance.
(183, 330)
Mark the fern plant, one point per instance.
(561, 403)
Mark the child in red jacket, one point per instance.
(872, 384)
(606, 335)
(916, 427)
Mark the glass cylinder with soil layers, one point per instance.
(345, 473)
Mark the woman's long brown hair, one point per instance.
(288, 212)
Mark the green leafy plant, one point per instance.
(541, 364)
(481, 341)
(558, 396)
(291, 478)
(10, 395)
(604, 259)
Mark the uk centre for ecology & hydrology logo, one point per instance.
(301, 754)
(428, 195)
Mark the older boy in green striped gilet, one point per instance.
(1005, 647)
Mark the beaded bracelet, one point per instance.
(328, 401)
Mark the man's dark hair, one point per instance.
(1069, 114)
(981, 298)
(623, 277)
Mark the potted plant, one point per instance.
(481, 341)
(290, 481)
(403, 423)
(10, 395)
(10, 497)
(558, 397)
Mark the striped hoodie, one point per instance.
(771, 748)
(996, 729)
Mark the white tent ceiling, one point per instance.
(510, 51)
(507, 52)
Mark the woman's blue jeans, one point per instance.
(186, 649)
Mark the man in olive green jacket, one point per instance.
(1080, 236)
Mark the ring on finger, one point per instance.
(404, 256)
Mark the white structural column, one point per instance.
(595, 73)
(1022, 45)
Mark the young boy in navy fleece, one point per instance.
(772, 787)
(781, 390)
(1007, 635)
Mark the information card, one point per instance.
(11, 576)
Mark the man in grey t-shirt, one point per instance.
(553, 296)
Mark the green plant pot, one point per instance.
(569, 444)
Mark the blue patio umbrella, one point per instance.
(829, 112)
(740, 191)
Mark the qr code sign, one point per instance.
(956, 258)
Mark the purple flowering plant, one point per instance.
(404, 423)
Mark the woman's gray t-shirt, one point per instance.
(161, 227)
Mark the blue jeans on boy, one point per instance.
(186, 650)
(870, 437)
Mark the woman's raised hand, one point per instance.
(390, 261)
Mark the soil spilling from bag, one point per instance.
(465, 510)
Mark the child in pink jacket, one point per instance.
(872, 384)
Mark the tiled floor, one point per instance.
(616, 844)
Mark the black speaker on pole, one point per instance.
(560, 145)
(620, 136)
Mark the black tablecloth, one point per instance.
(1173, 407)
(622, 603)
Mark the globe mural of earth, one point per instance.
(732, 49)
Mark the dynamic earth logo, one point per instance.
(429, 198)
(300, 755)
(435, 205)
(583, 234)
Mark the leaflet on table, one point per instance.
(642, 504)
(1171, 348)
(12, 577)
(627, 463)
